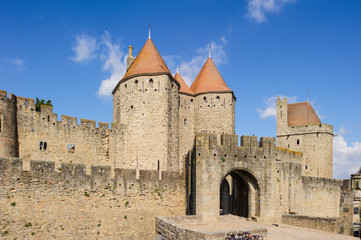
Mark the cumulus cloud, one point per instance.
(114, 63)
(189, 70)
(258, 8)
(84, 49)
(346, 157)
(270, 110)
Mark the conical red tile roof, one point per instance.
(148, 61)
(183, 85)
(301, 114)
(209, 80)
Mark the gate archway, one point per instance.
(239, 194)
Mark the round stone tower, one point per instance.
(9, 145)
(146, 112)
(214, 102)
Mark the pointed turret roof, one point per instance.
(183, 85)
(148, 61)
(301, 114)
(209, 80)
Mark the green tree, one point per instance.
(40, 102)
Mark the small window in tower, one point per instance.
(204, 99)
(136, 83)
(41, 145)
(26, 103)
(125, 85)
(217, 98)
(298, 141)
(185, 121)
(306, 167)
(158, 165)
(151, 83)
(48, 118)
(45, 145)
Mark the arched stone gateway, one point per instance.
(239, 194)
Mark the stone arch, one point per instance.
(242, 197)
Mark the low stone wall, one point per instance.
(324, 224)
(192, 228)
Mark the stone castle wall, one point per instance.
(9, 145)
(215, 113)
(186, 127)
(45, 204)
(42, 136)
(146, 109)
(314, 141)
(278, 172)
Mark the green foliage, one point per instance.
(125, 217)
(13, 204)
(126, 203)
(40, 102)
(223, 159)
(86, 194)
(278, 180)
(99, 224)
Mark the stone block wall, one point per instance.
(215, 113)
(324, 224)
(147, 110)
(43, 203)
(42, 136)
(9, 145)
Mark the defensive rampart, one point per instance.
(45, 203)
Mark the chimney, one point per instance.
(130, 58)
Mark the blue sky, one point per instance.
(72, 52)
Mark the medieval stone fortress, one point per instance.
(171, 150)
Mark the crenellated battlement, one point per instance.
(229, 144)
(75, 176)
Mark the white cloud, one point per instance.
(258, 8)
(19, 63)
(346, 157)
(189, 70)
(114, 63)
(270, 110)
(224, 40)
(84, 49)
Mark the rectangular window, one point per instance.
(356, 210)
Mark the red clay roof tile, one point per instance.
(301, 114)
(183, 85)
(209, 80)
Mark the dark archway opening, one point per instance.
(239, 194)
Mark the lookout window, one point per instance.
(185, 121)
(71, 148)
(151, 83)
(217, 98)
(41, 145)
(136, 83)
(45, 145)
(204, 99)
(306, 167)
(298, 141)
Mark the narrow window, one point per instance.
(125, 85)
(306, 167)
(204, 99)
(158, 165)
(217, 98)
(26, 103)
(48, 118)
(45, 146)
(136, 83)
(73, 148)
(356, 210)
(41, 145)
(185, 121)
(298, 141)
(151, 83)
